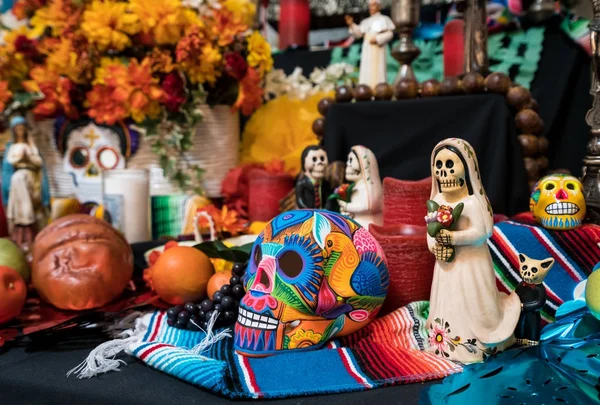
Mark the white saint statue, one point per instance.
(377, 31)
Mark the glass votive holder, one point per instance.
(126, 197)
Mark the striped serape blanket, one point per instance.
(389, 351)
(575, 252)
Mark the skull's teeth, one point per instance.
(562, 208)
(252, 320)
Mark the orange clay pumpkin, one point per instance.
(80, 262)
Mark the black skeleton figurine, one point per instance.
(312, 190)
(533, 297)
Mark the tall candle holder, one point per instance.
(591, 174)
(476, 36)
(405, 15)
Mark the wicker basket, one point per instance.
(215, 149)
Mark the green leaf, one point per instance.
(24, 98)
(432, 206)
(330, 262)
(218, 250)
(433, 228)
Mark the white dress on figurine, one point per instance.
(373, 68)
(468, 317)
(24, 201)
(366, 203)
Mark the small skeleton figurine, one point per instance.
(469, 319)
(312, 191)
(366, 199)
(533, 297)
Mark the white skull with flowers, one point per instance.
(91, 149)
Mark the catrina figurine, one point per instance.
(312, 190)
(533, 297)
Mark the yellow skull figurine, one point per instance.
(557, 202)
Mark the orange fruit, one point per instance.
(217, 281)
(181, 274)
(13, 293)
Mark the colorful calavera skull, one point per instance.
(557, 202)
(313, 275)
(89, 149)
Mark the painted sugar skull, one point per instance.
(89, 149)
(534, 271)
(557, 202)
(313, 275)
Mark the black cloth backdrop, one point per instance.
(403, 133)
(561, 87)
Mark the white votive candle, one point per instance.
(126, 195)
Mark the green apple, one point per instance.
(12, 256)
(592, 293)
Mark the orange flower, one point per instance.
(250, 95)
(275, 166)
(120, 91)
(5, 95)
(227, 26)
(56, 91)
(190, 45)
(161, 61)
(61, 16)
(225, 220)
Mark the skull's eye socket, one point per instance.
(80, 157)
(314, 158)
(439, 164)
(322, 158)
(107, 158)
(257, 255)
(449, 164)
(549, 186)
(291, 263)
(571, 186)
(534, 270)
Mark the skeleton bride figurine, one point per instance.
(468, 317)
(366, 201)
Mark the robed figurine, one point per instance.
(25, 189)
(312, 190)
(377, 30)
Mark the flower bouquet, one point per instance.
(343, 192)
(442, 217)
(150, 62)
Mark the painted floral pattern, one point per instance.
(440, 339)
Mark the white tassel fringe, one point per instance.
(127, 331)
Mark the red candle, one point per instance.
(266, 190)
(405, 201)
(294, 23)
(454, 48)
(409, 262)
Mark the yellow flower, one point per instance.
(259, 53)
(108, 24)
(243, 10)
(205, 68)
(13, 67)
(165, 20)
(59, 15)
(64, 60)
(303, 338)
(221, 265)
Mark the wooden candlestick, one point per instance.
(591, 176)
